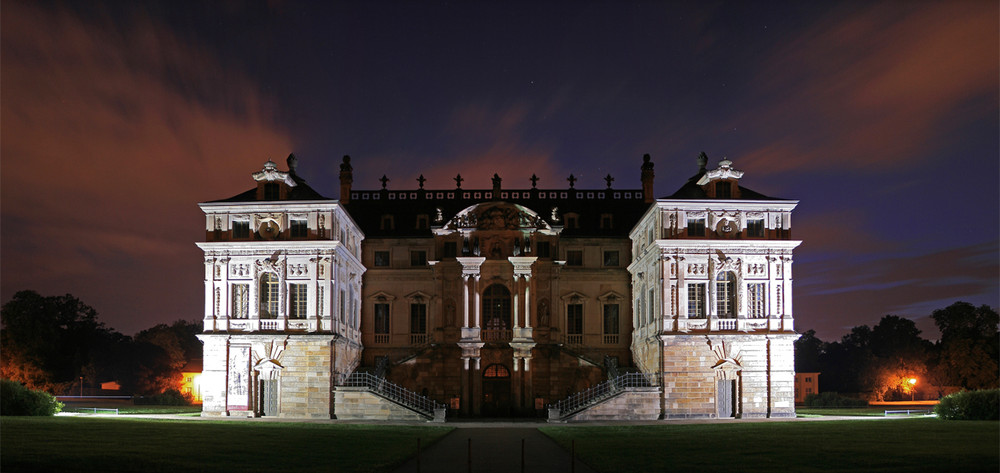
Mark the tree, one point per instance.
(969, 350)
(808, 350)
(48, 340)
(164, 350)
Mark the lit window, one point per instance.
(725, 295)
(696, 227)
(297, 298)
(382, 258)
(574, 257)
(268, 296)
(611, 258)
(755, 228)
(241, 301)
(241, 229)
(299, 228)
(756, 300)
(696, 300)
(418, 258)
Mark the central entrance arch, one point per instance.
(496, 391)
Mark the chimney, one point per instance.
(346, 179)
(702, 162)
(647, 179)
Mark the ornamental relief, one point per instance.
(756, 269)
(239, 270)
(696, 268)
(298, 269)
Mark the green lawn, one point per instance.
(890, 445)
(78, 444)
(877, 411)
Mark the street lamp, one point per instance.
(913, 386)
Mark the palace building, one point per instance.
(566, 303)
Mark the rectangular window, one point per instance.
(300, 228)
(297, 298)
(755, 228)
(611, 325)
(421, 222)
(606, 221)
(382, 259)
(418, 318)
(756, 300)
(241, 229)
(381, 319)
(268, 296)
(388, 223)
(574, 257)
(611, 258)
(272, 191)
(450, 249)
(696, 301)
(652, 306)
(723, 190)
(543, 250)
(696, 227)
(418, 258)
(574, 319)
(241, 301)
(724, 299)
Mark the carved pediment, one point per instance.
(495, 216)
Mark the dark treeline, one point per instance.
(49, 343)
(877, 362)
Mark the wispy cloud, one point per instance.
(834, 295)
(110, 134)
(874, 86)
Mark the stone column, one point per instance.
(475, 286)
(465, 299)
(527, 302)
(517, 290)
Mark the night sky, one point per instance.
(881, 118)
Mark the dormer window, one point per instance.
(272, 191)
(572, 221)
(723, 190)
(607, 221)
(422, 222)
(388, 223)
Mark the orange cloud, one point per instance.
(110, 135)
(875, 88)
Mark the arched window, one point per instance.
(496, 370)
(725, 295)
(496, 307)
(269, 296)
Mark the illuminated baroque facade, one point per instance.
(498, 301)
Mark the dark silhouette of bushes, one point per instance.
(970, 405)
(17, 400)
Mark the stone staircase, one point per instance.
(369, 396)
(629, 396)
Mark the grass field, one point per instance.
(891, 445)
(79, 444)
(870, 411)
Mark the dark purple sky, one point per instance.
(881, 118)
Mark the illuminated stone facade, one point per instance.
(497, 301)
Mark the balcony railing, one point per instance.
(381, 338)
(574, 339)
(496, 335)
(610, 339)
(418, 338)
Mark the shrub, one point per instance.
(170, 397)
(17, 400)
(970, 405)
(830, 399)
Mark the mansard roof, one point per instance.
(440, 206)
(297, 189)
(695, 187)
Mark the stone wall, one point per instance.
(358, 403)
(631, 404)
(305, 383)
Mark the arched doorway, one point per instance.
(496, 391)
(496, 314)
